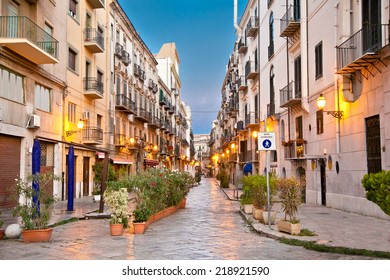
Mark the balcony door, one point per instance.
(13, 13)
(371, 20)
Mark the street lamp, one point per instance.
(80, 125)
(321, 102)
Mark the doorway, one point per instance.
(323, 181)
(86, 176)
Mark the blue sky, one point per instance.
(204, 35)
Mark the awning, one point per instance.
(151, 162)
(121, 161)
(115, 160)
(247, 167)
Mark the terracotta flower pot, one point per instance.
(37, 235)
(116, 229)
(139, 228)
(2, 233)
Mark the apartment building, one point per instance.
(177, 115)
(76, 73)
(322, 93)
(87, 93)
(32, 89)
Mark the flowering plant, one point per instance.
(117, 202)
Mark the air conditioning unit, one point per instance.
(85, 115)
(34, 121)
(130, 117)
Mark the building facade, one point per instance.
(278, 73)
(77, 73)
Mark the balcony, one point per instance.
(252, 27)
(242, 48)
(92, 135)
(294, 149)
(125, 57)
(154, 87)
(270, 109)
(290, 22)
(142, 75)
(96, 4)
(154, 122)
(251, 70)
(24, 37)
(93, 40)
(120, 140)
(143, 115)
(241, 83)
(123, 103)
(251, 120)
(361, 50)
(118, 50)
(93, 88)
(291, 95)
(136, 70)
(150, 83)
(163, 99)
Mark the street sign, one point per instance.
(266, 141)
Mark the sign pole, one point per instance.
(267, 143)
(267, 176)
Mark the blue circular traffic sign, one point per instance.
(267, 144)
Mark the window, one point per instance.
(42, 98)
(99, 119)
(271, 110)
(271, 36)
(298, 128)
(318, 61)
(117, 37)
(11, 86)
(72, 112)
(297, 77)
(373, 144)
(73, 8)
(72, 59)
(118, 85)
(320, 121)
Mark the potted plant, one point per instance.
(117, 201)
(98, 171)
(289, 192)
(246, 198)
(35, 216)
(96, 192)
(141, 216)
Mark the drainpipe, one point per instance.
(337, 98)
(238, 28)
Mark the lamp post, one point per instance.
(321, 102)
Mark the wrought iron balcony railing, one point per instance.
(291, 94)
(93, 40)
(92, 135)
(23, 36)
(290, 22)
(360, 50)
(93, 87)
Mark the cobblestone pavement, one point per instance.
(209, 228)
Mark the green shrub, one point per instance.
(378, 189)
(290, 192)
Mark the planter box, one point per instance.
(272, 217)
(288, 227)
(247, 208)
(139, 228)
(257, 213)
(37, 235)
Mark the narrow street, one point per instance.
(210, 228)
